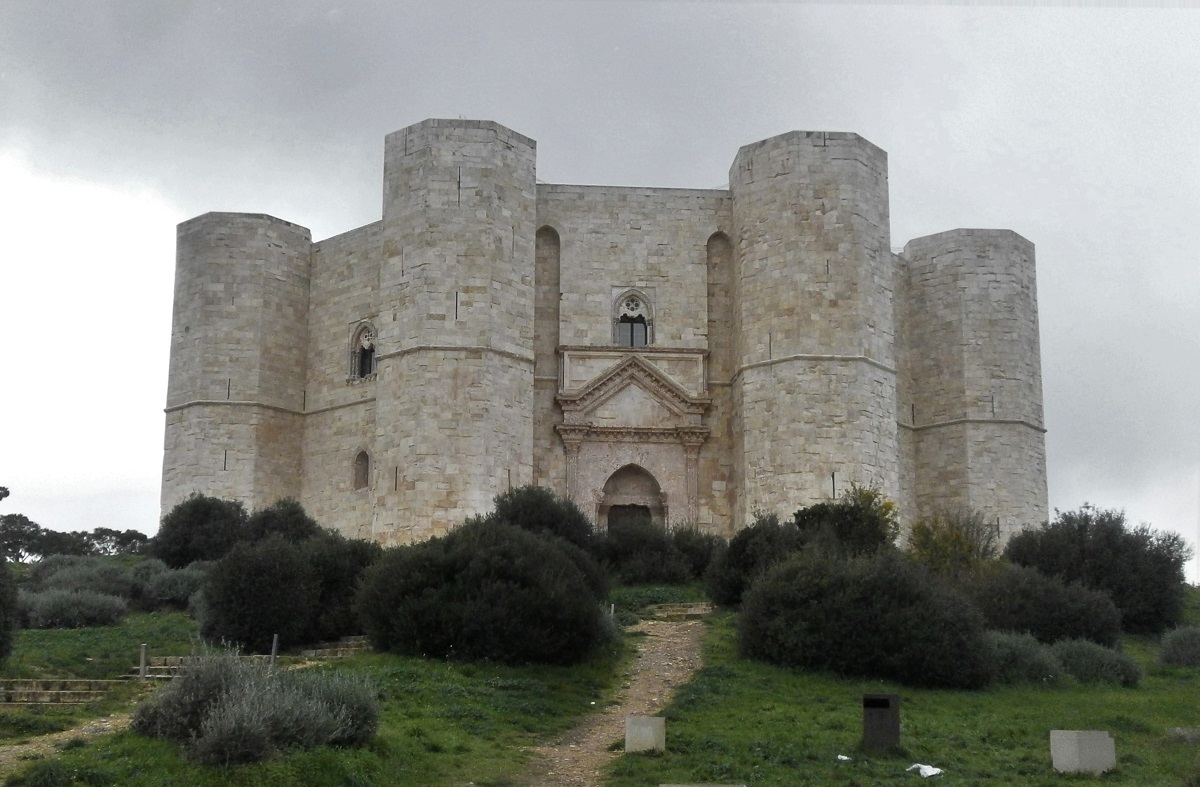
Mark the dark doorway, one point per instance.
(619, 515)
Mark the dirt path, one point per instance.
(668, 656)
(17, 755)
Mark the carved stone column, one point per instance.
(692, 439)
(572, 437)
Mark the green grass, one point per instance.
(741, 721)
(441, 724)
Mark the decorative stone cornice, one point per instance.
(574, 434)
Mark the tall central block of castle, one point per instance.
(692, 355)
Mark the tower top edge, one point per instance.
(462, 123)
(968, 235)
(231, 217)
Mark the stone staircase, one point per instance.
(16, 693)
(346, 646)
(167, 667)
(679, 611)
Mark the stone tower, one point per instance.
(235, 396)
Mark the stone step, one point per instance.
(56, 684)
(677, 611)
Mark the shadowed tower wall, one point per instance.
(455, 366)
(816, 387)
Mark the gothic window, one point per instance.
(632, 325)
(362, 470)
(362, 353)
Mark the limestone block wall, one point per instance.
(235, 389)
(972, 375)
(455, 371)
(814, 397)
(340, 407)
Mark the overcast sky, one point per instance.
(1074, 126)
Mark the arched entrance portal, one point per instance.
(629, 493)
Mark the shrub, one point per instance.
(879, 616)
(97, 575)
(637, 551)
(488, 590)
(258, 590)
(1141, 570)
(69, 609)
(1088, 662)
(337, 565)
(861, 522)
(1020, 658)
(750, 553)
(538, 510)
(199, 528)
(1024, 600)
(954, 544)
(8, 610)
(1181, 647)
(698, 548)
(174, 587)
(285, 518)
(232, 713)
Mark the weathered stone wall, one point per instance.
(973, 370)
(238, 344)
(815, 392)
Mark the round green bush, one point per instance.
(1021, 658)
(699, 548)
(285, 518)
(1088, 662)
(750, 553)
(70, 609)
(1181, 647)
(538, 510)
(488, 590)
(879, 616)
(199, 528)
(337, 563)
(1024, 600)
(259, 590)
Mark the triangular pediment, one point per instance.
(633, 393)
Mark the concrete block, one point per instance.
(645, 733)
(1082, 751)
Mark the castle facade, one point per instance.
(694, 355)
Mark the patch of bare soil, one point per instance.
(668, 656)
(16, 755)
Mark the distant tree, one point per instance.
(199, 528)
(1140, 568)
(106, 541)
(19, 537)
(3, 492)
(285, 518)
(58, 542)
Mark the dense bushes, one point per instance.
(875, 616)
(954, 544)
(199, 528)
(1023, 600)
(698, 548)
(538, 510)
(1181, 647)
(69, 609)
(1142, 570)
(488, 590)
(1020, 658)
(285, 518)
(1088, 662)
(301, 591)
(637, 551)
(230, 713)
(750, 553)
(860, 523)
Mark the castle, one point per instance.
(697, 355)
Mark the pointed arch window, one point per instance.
(362, 353)
(632, 323)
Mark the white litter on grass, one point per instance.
(925, 770)
(843, 758)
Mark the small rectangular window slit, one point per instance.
(396, 481)
(225, 461)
